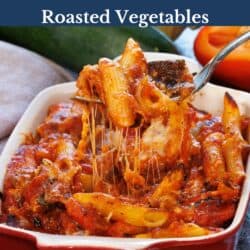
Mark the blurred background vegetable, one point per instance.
(75, 46)
(234, 70)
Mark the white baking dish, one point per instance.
(209, 99)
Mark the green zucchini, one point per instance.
(75, 46)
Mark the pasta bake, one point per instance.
(129, 156)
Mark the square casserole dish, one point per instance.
(210, 99)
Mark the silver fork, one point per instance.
(201, 79)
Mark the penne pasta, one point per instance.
(234, 144)
(65, 150)
(133, 61)
(194, 186)
(152, 101)
(82, 146)
(117, 210)
(231, 117)
(213, 159)
(167, 192)
(119, 102)
(177, 229)
(232, 150)
(89, 82)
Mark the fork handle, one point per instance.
(204, 75)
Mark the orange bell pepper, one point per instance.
(234, 70)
